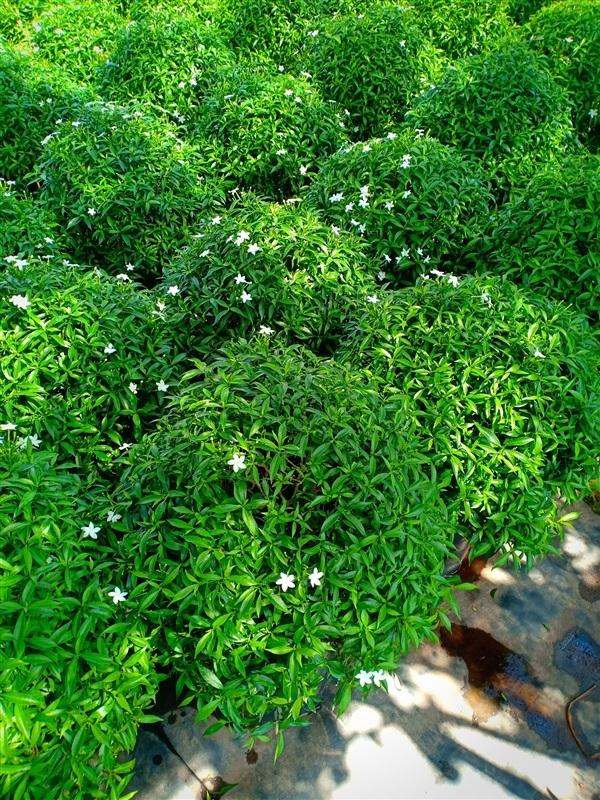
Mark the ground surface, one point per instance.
(481, 716)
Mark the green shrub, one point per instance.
(303, 279)
(76, 36)
(522, 10)
(463, 27)
(503, 390)
(166, 58)
(32, 97)
(568, 33)
(269, 132)
(71, 351)
(77, 669)
(416, 201)
(275, 461)
(11, 24)
(501, 107)
(124, 186)
(26, 227)
(547, 238)
(373, 64)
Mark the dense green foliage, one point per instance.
(569, 34)
(292, 294)
(502, 107)
(416, 202)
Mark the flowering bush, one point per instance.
(373, 65)
(84, 357)
(522, 10)
(269, 131)
(166, 58)
(415, 201)
(32, 97)
(547, 238)
(503, 390)
(125, 187)
(265, 269)
(501, 107)
(569, 34)
(26, 227)
(257, 520)
(76, 673)
(463, 27)
(75, 36)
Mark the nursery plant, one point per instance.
(124, 187)
(273, 270)
(503, 387)
(33, 95)
(268, 131)
(373, 64)
(26, 227)
(76, 672)
(255, 523)
(568, 33)
(87, 359)
(547, 238)
(165, 58)
(502, 108)
(75, 36)
(414, 201)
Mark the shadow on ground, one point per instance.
(482, 715)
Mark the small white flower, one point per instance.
(303, 170)
(48, 240)
(378, 677)
(242, 236)
(391, 135)
(315, 578)
(437, 272)
(239, 278)
(161, 305)
(280, 68)
(381, 275)
(364, 678)
(406, 194)
(313, 33)
(181, 84)
(216, 220)
(389, 205)
(336, 198)
(125, 446)
(426, 260)
(35, 441)
(133, 388)
(237, 462)
(538, 353)
(123, 277)
(281, 152)
(92, 212)
(419, 132)
(8, 426)
(372, 298)
(405, 253)
(109, 349)
(349, 207)
(118, 595)
(592, 113)
(286, 581)
(366, 148)
(161, 386)
(335, 230)
(253, 249)
(90, 530)
(353, 222)
(20, 301)
(76, 124)
(246, 297)
(129, 267)
(297, 99)
(362, 228)
(387, 258)
(112, 517)
(403, 43)
(419, 251)
(569, 39)
(306, 74)
(173, 290)
(204, 253)
(363, 202)
(485, 298)
(288, 92)
(266, 330)
(453, 280)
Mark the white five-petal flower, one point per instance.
(8, 426)
(113, 516)
(364, 678)
(133, 387)
(246, 297)
(372, 298)
(266, 330)
(173, 290)
(20, 301)
(118, 595)
(92, 212)
(378, 677)
(538, 353)
(161, 386)
(90, 530)
(315, 577)
(253, 249)
(237, 462)
(109, 349)
(286, 581)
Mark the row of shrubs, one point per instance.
(275, 329)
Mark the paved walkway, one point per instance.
(480, 716)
